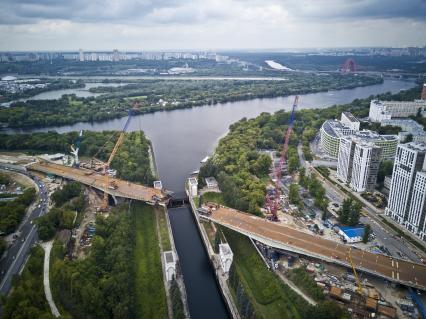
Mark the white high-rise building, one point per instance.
(345, 159)
(358, 163)
(366, 161)
(416, 221)
(410, 159)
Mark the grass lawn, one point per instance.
(150, 296)
(164, 231)
(213, 197)
(209, 230)
(270, 297)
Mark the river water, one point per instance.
(181, 138)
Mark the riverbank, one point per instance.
(161, 95)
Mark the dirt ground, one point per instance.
(89, 217)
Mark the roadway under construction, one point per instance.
(283, 237)
(122, 188)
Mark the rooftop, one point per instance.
(414, 146)
(169, 256)
(351, 232)
(350, 117)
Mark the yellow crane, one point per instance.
(111, 157)
(358, 282)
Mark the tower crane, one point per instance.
(272, 202)
(111, 157)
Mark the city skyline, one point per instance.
(214, 24)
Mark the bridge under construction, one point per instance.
(283, 237)
(121, 188)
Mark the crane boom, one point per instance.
(272, 203)
(111, 157)
(358, 282)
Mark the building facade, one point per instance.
(358, 163)
(409, 160)
(386, 110)
(416, 222)
(366, 161)
(345, 159)
(332, 132)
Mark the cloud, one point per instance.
(140, 24)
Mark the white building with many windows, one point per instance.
(358, 163)
(416, 221)
(366, 161)
(386, 110)
(410, 160)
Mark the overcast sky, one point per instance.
(209, 24)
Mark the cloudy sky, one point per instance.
(209, 24)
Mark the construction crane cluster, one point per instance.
(272, 201)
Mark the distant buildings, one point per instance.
(407, 197)
(386, 110)
(332, 132)
(358, 163)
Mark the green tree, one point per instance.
(293, 195)
(367, 232)
(385, 169)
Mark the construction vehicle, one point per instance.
(113, 185)
(272, 199)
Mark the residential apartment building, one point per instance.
(406, 204)
(386, 110)
(358, 163)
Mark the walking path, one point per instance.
(46, 282)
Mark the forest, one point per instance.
(12, 212)
(239, 162)
(131, 161)
(161, 95)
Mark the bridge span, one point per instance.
(283, 237)
(123, 188)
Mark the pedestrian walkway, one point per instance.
(46, 281)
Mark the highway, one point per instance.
(17, 253)
(277, 235)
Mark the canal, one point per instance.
(181, 138)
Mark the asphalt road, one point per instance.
(395, 245)
(18, 252)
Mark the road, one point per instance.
(277, 235)
(18, 252)
(395, 245)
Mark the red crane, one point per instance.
(273, 200)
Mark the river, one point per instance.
(181, 138)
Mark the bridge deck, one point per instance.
(125, 189)
(393, 269)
